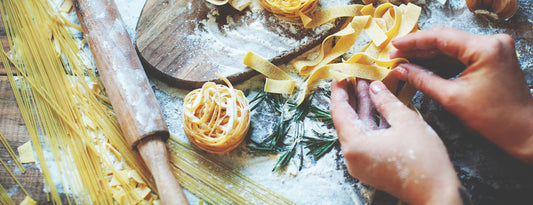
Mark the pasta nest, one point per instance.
(216, 117)
(289, 9)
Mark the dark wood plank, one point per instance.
(14, 129)
(176, 46)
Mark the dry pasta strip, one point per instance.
(216, 117)
(289, 9)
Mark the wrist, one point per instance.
(524, 150)
(445, 191)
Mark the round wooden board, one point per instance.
(186, 42)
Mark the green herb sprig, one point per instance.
(292, 115)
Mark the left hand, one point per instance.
(407, 159)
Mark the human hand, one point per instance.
(407, 159)
(490, 95)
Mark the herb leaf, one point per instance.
(319, 145)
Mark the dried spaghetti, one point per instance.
(289, 9)
(216, 117)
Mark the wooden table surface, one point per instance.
(12, 125)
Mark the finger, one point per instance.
(425, 81)
(343, 114)
(452, 42)
(394, 111)
(364, 104)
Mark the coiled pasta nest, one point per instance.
(289, 9)
(216, 117)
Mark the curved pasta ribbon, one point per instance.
(216, 117)
(381, 24)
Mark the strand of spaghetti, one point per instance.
(214, 181)
(4, 197)
(56, 99)
(12, 153)
(14, 177)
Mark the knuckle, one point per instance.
(420, 81)
(439, 28)
(448, 97)
(504, 39)
(497, 45)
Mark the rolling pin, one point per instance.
(131, 95)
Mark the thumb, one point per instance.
(425, 81)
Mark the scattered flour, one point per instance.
(324, 181)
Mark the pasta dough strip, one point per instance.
(382, 24)
(216, 118)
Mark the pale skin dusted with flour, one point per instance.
(412, 167)
(408, 159)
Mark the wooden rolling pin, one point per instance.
(128, 88)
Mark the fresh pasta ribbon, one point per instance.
(237, 4)
(278, 81)
(216, 117)
(373, 62)
(264, 67)
(289, 9)
(330, 14)
(279, 86)
(333, 46)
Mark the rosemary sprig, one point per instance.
(319, 145)
(326, 92)
(292, 115)
(286, 157)
(260, 97)
(320, 115)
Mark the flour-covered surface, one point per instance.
(490, 175)
(185, 42)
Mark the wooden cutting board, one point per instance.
(186, 42)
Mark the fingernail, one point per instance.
(400, 72)
(377, 86)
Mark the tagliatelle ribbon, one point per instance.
(278, 81)
(381, 24)
(237, 4)
(216, 118)
(289, 9)
(333, 46)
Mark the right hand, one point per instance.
(490, 95)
